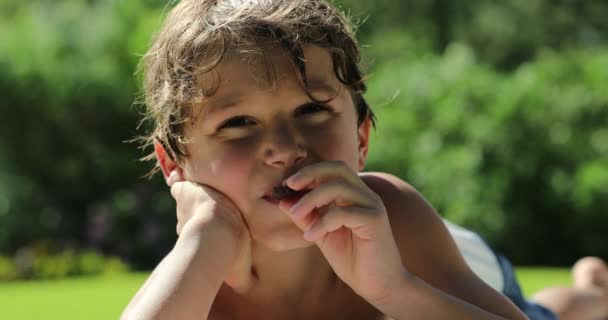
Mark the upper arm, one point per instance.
(427, 249)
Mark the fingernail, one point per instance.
(291, 180)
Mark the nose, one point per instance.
(284, 148)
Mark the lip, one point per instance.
(271, 200)
(294, 198)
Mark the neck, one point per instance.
(299, 279)
(291, 272)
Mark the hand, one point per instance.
(202, 209)
(349, 223)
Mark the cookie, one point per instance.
(282, 192)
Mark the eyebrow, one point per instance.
(227, 100)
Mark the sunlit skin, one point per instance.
(250, 137)
(329, 250)
(270, 134)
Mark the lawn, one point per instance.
(105, 297)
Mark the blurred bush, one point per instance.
(38, 262)
(8, 270)
(476, 109)
(503, 34)
(68, 88)
(520, 157)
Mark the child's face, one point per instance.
(250, 136)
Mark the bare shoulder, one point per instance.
(393, 190)
(406, 207)
(427, 249)
(426, 246)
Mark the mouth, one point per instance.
(271, 200)
(281, 192)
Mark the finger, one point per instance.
(358, 220)
(185, 188)
(176, 189)
(301, 222)
(338, 192)
(178, 227)
(314, 175)
(174, 176)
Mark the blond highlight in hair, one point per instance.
(198, 34)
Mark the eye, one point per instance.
(311, 108)
(236, 122)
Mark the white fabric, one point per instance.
(478, 255)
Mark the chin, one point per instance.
(283, 239)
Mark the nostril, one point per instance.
(285, 155)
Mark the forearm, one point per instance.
(184, 284)
(415, 299)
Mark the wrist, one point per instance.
(212, 243)
(212, 224)
(400, 290)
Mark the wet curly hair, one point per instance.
(198, 34)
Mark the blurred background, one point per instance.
(497, 111)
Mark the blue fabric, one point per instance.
(512, 290)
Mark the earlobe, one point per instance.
(363, 137)
(171, 170)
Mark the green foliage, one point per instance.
(54, 266)
(8, 270)
(114, 266)
(502, 33)
(497, 116)
(520, 157)
(40, 263)
(91, 263)
(69, 90)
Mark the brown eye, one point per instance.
(311, 108)
(236, 122)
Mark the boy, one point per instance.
(260, 131)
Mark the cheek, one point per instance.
(227, 169)
(336, 143)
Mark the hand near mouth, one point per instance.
(349, 223)
(283, 192)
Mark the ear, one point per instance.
(363, 135)
(171, 170)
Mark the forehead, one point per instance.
(238, 75)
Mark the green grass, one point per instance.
(79, 298)
(105, 297)
(534, 279)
